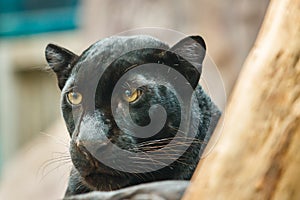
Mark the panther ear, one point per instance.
(191, 49)
(61, 61)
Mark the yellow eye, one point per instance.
(74, 98)
(130, 96)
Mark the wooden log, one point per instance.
(258, 155)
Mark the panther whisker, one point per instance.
(147, 160)
(131, 67)
(50, 162)
(57, 139)
(55, 168)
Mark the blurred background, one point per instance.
(34, 160)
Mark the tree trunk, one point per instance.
(258, 155)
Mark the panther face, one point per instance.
(125, 94)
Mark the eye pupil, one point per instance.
(128, 93)
(74, 95)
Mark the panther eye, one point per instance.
(132, 96)
(74, 98)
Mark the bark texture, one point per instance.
(258, 155)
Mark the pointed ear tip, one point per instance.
(50, 46)
(50, 50)
(199, 39)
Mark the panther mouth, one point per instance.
(94, 173)
(112, 181)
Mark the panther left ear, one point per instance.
(191, 49)
(61, 61)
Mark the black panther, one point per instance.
(152, 126)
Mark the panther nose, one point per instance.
(95, 148)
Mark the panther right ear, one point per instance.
(61, 61)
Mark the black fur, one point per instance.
(92, 122)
